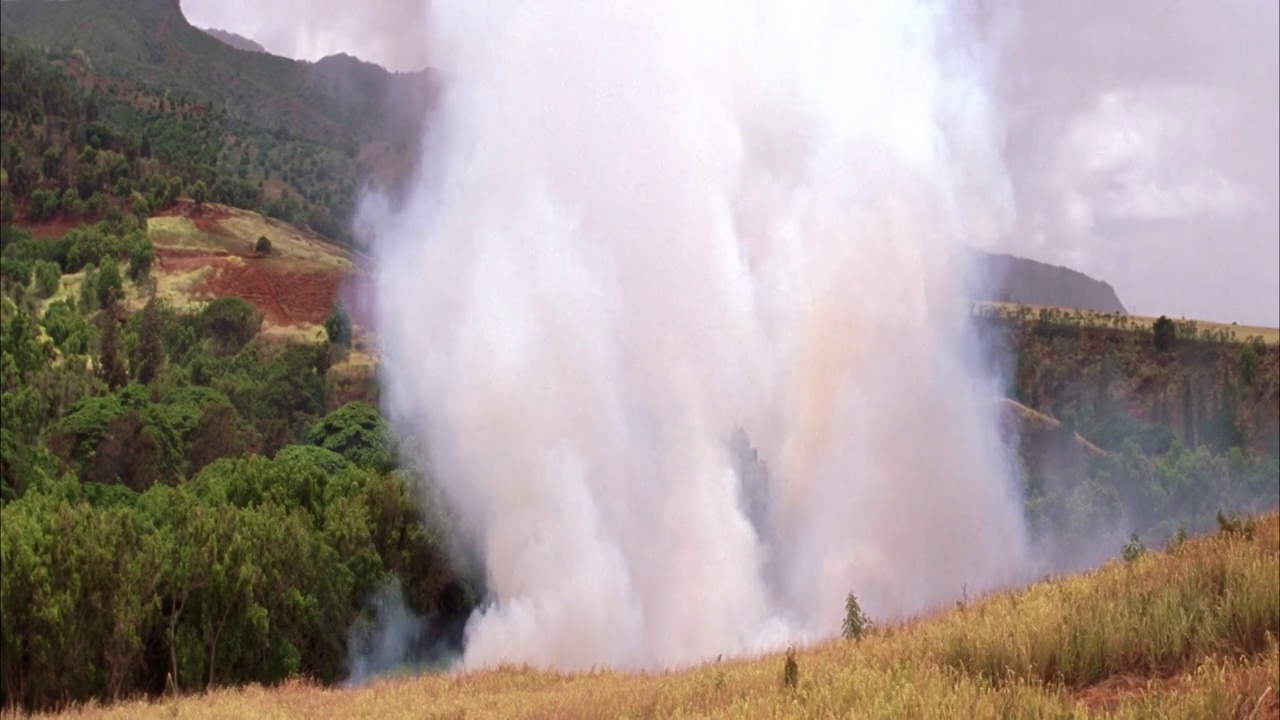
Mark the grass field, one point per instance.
(1186, 633)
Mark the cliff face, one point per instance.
(1028, 282)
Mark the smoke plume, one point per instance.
(674, 306)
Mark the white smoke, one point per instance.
(644, 229)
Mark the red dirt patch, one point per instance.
(284, 296)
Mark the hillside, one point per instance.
(150, 44)
(1029, 282)
(99, 95)
(238, 42)
(182, 392)
(1187, 633)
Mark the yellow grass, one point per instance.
(287, 241)
(178, 231)
(1269, 335)
(178, 288)
(236, 231)
(299, 333)
(1186, 634)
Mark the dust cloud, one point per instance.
(674, 306)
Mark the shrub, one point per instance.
(263, 246)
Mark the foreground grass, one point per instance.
(1188, 633)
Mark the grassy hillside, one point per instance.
(1187, 633)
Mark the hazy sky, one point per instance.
(1142, 137)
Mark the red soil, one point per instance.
(284, 296)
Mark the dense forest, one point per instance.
(77, 150)
(181, 502)
(188, 502)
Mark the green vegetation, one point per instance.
(1190, 633)
(187, 504)
(124, 106)
(182, 505)
(1176, 429)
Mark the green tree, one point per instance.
(142, 255)
(359, 433)
(110, 367)
(1248, 363)
(48, 278)
(109, 283)
(67, 328)
(231, 323)
(1164, 333)
(338, 326)
(199, 193)
(150, 350)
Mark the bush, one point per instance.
(263, 246)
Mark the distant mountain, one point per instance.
(1019, 280)
(238, 42)
(150, 44)
(298, 140)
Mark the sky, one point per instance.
(1142, 138)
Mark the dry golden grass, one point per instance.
(1190, 633)
(1269, 335)
(287, 241)
(233, 231)
(181, 232)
